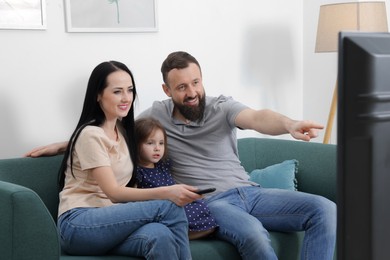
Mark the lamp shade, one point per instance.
(356, 16)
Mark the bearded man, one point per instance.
(202, 147)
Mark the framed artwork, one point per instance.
(111, 15)
(26, 14)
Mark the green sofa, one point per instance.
(29, 200)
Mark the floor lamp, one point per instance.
(354, 16)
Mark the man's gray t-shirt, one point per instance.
(204, 154)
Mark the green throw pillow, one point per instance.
(281, 175)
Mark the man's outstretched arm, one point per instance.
(272, 123)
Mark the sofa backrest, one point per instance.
(317, 168)
(38, 174)
(316, 173)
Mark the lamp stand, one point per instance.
(332, 112)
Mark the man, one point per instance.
(202, 146)
(203, 149)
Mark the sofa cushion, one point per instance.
(281, 175)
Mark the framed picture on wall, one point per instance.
(111, 15)
(26, 14)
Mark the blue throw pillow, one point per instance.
(281, 175)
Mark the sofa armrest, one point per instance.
(27, 228)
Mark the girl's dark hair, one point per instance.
(144, 127)
(177, 60)
(92, 114)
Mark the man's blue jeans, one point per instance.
(246, 214)
(156, 229)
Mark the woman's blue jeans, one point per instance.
(156, 229)
(246, 214)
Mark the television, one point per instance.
(363, 146)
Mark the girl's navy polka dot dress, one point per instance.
(198, 214)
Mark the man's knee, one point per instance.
(326, 212)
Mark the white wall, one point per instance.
(251, 50)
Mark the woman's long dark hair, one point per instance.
(92, 114)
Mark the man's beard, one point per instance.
(193, 113)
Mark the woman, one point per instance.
(99, 211)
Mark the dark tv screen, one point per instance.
(363, 146)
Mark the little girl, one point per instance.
(153, 170)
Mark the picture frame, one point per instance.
(111, 15)
(26, 14)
